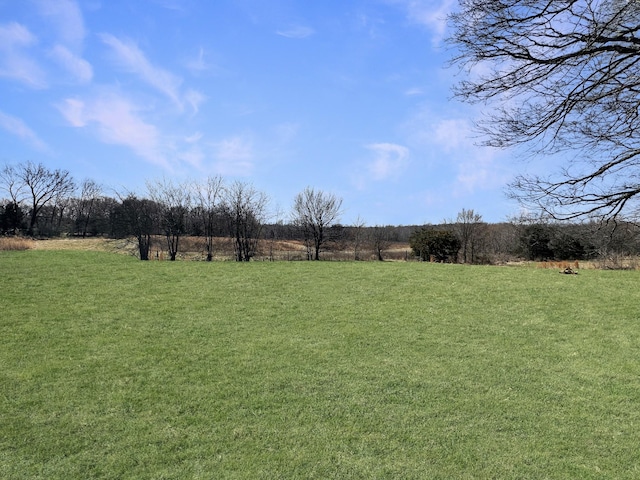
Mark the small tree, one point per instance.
(84, 206)
(441, 245)
(208, 197)
(174, 203)
(313, 213)
(135, 216)
(358, 234)
(470, 229)
(245, 210)
(381, 237)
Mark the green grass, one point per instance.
(114, 368)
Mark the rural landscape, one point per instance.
(201, 327)
(437, 351)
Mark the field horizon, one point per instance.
(116, 368)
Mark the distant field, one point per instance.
(193, 248)
(115, 368)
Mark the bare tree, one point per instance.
(208, 197)
(10, 183)
(358, 234)
(564, 78)
(136, 216)
(245, 210)
(84, 206)
(314, 212)
(470, 229)
(37, 185)
(174, 201)
(381, 239)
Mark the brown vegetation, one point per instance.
(16, 243)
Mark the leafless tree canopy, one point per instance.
(175, 202)
(245, 210)
(313, 212)
(470, 229)
(38, 185)
(208, 197)
(563, 78)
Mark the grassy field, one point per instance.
(115, 368)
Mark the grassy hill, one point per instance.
(115, 368)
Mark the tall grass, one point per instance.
(115, 368)
(15, 243)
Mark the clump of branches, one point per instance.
(563, 79)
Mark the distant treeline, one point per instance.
(42, 203)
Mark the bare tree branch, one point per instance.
(562, 76)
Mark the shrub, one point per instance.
(440, 245)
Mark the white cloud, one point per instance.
(15, 35)
(133, 59)
(74, 111)
(15, 62)
(453, 134)
(413, 92)
(116, 121)
(17, 127)
(234, 148)
(235, 155)
(286, 132)
(430, 13)
(193, 156)
(67, 18)
(194, 99)
(296, 31)
(198, 64)
(176, 5)
(390, 160)
(450, 143)
(196, 137)
(77, 66)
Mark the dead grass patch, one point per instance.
(16, 243)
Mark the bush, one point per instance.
(439, 245)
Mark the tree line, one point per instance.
(43, 202)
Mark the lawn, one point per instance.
(115, 368)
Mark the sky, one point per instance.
(350, 97)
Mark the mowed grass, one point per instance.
(115, 368)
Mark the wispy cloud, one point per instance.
(116, 120)
(450, 142)
(176, 5)
(296, 31)
(194, 99)
(452, 134)
(389, 161)
(198, 64)
(414, 92)
(133, 59)
(17, 127)
(15, 61)
(77, 66)
(67, 18)
(234, 155)
(430, 13)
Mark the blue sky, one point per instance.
(352, 97)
